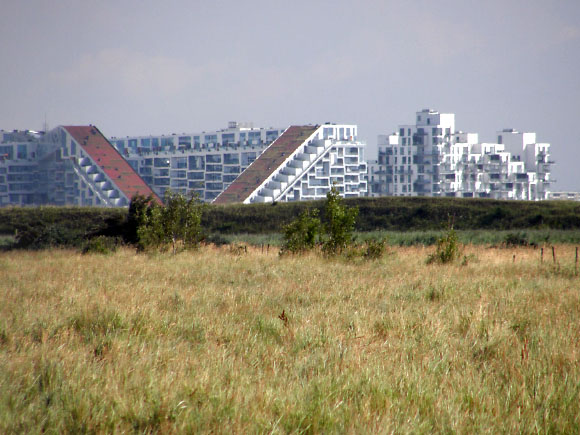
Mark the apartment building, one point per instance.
(303, 164)
(69, 165)
(431, 158)
(203, 163)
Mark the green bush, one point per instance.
(447, 249)
(516, 239)
(339, 223)
(177, 224)
(375, 249)
(101, 245)
(302, 234)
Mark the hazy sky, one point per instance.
(151, 67)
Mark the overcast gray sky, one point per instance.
(152, 67)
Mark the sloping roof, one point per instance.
(110, 160)
(265, 164)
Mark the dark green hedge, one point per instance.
(48, 226)
(405, 214)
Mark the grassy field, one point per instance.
(220, 340)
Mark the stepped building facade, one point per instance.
(303, 164)
(431, 158)
(69, 165)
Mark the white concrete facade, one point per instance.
(54, 168)
(332, 155)
(431, 158)
(203, 163)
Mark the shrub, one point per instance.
(375, 249)
(176, 224)
(101, 245)
(447, 249)
(339, 223)
(302, 234)
(516, 239)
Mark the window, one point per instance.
(210, 176)
(161, 162)
(178, 174)
(232, 159)
(214, 186)
(254, 137)
(228, 138)
(23, 152)
(271, 135)
(248, 158)
(229, 178)
(166, 142)
(161, 172)
(402, 132)
(213, 168)
(196, 162)
(161, 182)
(210, 138)
(178, 183)
(213, 158)
(179, 162)
(196, 185)
(195, 175)
(185, 141)
(231, 169)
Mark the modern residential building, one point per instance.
(431, 158)
(204, 163)
(303, 164)
(70, 165)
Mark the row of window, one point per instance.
(198, 162)
(156, 143)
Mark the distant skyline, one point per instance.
(139, 67)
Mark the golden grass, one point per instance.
(196, 342)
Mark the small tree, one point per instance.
(339, 223)
(302, 234)
(176, 223)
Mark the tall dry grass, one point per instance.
(220, 340)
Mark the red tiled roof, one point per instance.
(110, 160)
(265, 164)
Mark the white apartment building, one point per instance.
(205, 163)
(69, 165)
(303, 164)
(431, 158)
